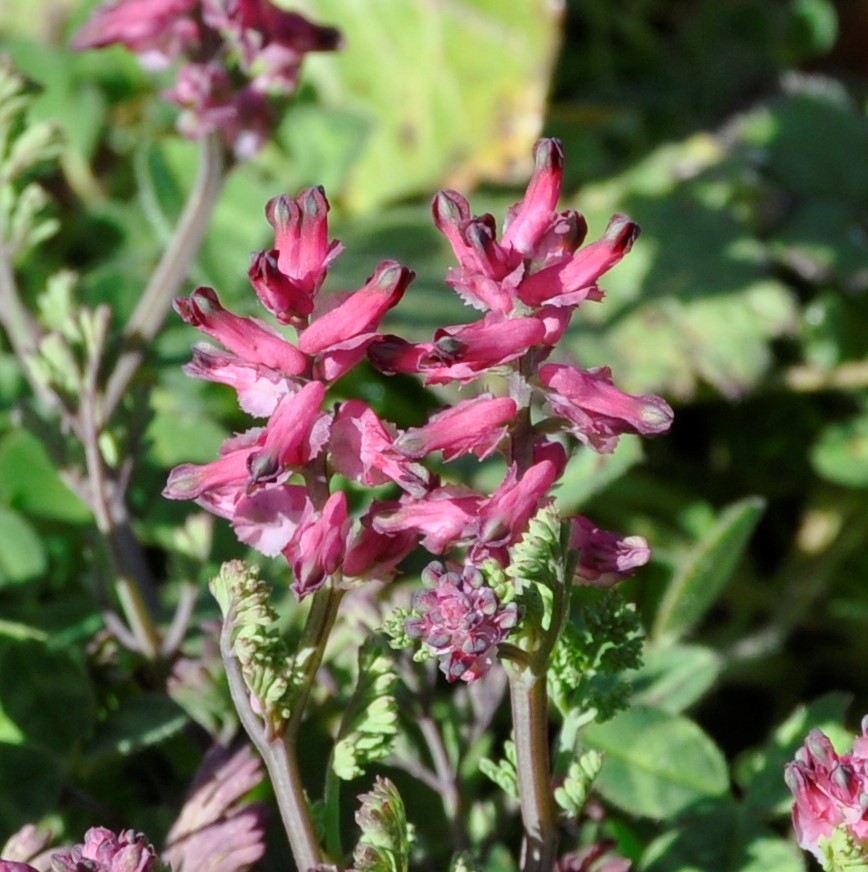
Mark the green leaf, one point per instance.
(29, 481)
(457, 90)
(503, 772)
(572, 794)
(723, 837)
(707, 570)
(673, 677)
(370, 722)
(30, 784)
(657, 765)
(22, 555)
(840, 454)
(384, 845)
(137, 723)
(46, 694)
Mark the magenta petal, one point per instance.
(361, 312)
(476, 425)
(249, 339)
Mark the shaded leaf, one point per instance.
(706, 570)
(673, 677)
(22, 555)
(656, 765)
(137, 723)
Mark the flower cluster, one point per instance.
(105, 851)
(831, 794)
(235, 55)
(277, 483)
(460, 619)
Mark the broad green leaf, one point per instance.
(446, 90)
(706, 570)
(673, 677)
(46, 694)
(22, 555)
(657, 765)
(30, 483)
(30, 784)
(137, 723)
(840, 455)
(724, 837)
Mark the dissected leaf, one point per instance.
(370, 722)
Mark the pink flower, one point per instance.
(157, 30)
(317, 548)
(270, 41)
(296, 432)
(477, 425)
(211, 101)
(217, 831)
(597, 410)
(527, 222)
(460, 353)
(447, 517)
(505, 515)
(288, 277)
(605, 558)
(14, 866)
(571, 281)
(361, 312)
(362, 449)
(460, 620)
(189, 480)
(259, 388)
(374, 555)
(248, 338)
(266, 520)
(829, 790)
(105, 851)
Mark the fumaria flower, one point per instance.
(830, 793)
(605, 558)
(460, 620)
(105, 851)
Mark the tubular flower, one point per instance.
(287, 278)
(248, 338)
(830, 793)
(362, 450)
(105, 851)
(460, 620)
(159, 31)
(472, 426)
(597, 411)
(605, 558)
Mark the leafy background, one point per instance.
(735, 134)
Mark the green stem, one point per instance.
(529, 703)
(280, 761)
(154, 304)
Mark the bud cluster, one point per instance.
(234, 56)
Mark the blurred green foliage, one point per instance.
(735, 134)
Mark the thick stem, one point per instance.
(529, 703)
(166, 281)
